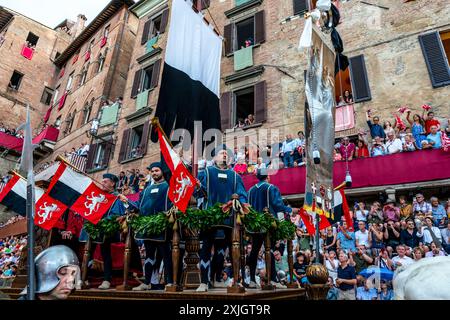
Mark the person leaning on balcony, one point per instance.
(348, 97)
(433, 140)
(287, 151)
(375, 128)
(393, 145)
(347, 149)
(430, 121)
(361, 149)
(409, 144)
(377, 148)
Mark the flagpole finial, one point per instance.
(155, 121)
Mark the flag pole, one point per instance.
(30, 228)
(26, 165)
(155, 122)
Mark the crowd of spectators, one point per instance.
(10, 253)
(387, 236)
(424, 132)
(11, 131)
(12, 220)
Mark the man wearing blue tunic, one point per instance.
(265, 195)
(108, 184)
(219, 183)
(153, 200)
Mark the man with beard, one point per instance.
(153, 200)
(260, 196)
(219, 183)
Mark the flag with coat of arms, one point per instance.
(47, 209)
(182, 183)
(80, 193)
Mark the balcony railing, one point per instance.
(400, 168)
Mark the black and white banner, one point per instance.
(191, 76)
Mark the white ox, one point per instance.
(428, 279)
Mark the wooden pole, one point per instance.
(235, 251)
(175, 258)
(84, 267)
(267, 246)
(291, 283)
(126, 262)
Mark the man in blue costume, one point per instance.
(219, 183)
(265, 195)
(108, 184)
(153, 200)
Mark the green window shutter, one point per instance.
(109, 114)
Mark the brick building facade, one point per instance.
(91, 77)
(382, 42)
(398, 56)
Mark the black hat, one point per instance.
(261, 174)
(111, 177)
(155, 165)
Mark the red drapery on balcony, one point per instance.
(87, 56)
(27, 52)
(103, 42)
(10, 142)
(48, 113)
(50, 133)
(62, 101)
(61, 73)
(401, 168)
(75, 59)
(345, 117)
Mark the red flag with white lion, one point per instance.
(182, 183)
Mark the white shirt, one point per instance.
(362, 238)
(446, 235)
(332, 271)
(288, 146)
(361, 215)
(427, 238)
(405, 261)
(299, 142)
(85, 150)
(393, 146)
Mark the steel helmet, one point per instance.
(48, 263)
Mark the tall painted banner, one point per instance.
(319, 126)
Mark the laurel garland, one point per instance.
(107, 227)
(196, 219)
(153, 224)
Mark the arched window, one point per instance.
(84, 76)
(101, 62)
(86, 113)
(71, 121)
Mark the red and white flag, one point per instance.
(79, 192)
(182, 183)
(47, 209)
